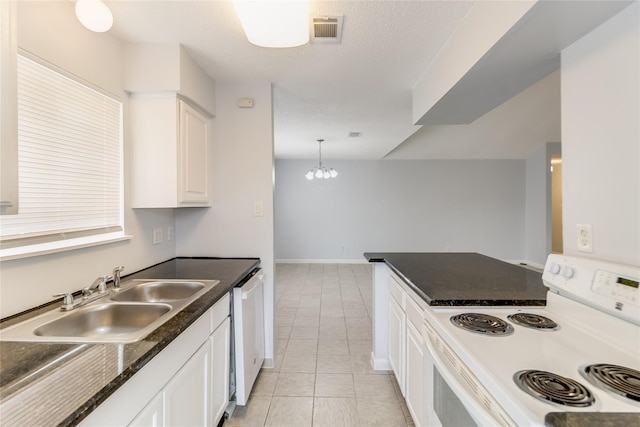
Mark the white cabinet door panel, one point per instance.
(194, 155)
(186, 396)
(151, 415)
(397, 341)
(415, 395)
(220, 356)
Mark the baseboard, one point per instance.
(268, 363)
(322, 261)
(380, 364)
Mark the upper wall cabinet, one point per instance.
(172, 103)
(171, 142)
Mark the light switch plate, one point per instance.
(258, 209)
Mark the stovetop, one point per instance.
(563, 351)
(554, 356)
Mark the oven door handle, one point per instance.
(472, 401)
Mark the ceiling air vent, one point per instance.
(326, 29)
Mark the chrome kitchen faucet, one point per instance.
(89, 293)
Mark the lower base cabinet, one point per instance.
(406, 347)
(186, 396)
(151, 415)
(415, 395)
(186, 384)
(220, 357)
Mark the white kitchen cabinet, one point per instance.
(220, 359)
(9, 108)
(406, 346)
(415, 384)
(171, 146)
(186, 396)
(396, 343)
(151, 415)
(181, 385)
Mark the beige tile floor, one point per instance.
(322, 375)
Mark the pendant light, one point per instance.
(320, 171)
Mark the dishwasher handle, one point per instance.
(249, 287)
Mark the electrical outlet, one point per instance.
(170, 233)
(157, 236)
(585, 237)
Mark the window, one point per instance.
(69, 160)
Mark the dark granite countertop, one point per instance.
(587, 419)
(23, 363)
(465, 279)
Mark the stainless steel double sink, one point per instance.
(122, 316)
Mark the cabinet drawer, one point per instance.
(414, 313)
(396, 291)
(219, 312)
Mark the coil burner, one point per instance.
(482, 324)
(620, 380)
(535, 321)
(553, 388)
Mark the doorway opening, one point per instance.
(556, 205)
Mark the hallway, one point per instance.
(322, 374)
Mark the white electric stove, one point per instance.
(580, 353)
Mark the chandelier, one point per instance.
(320, 171)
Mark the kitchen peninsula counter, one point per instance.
(464, 279)
(66, 382)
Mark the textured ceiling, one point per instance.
(361, 85)
(320, 90)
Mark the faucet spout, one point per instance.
(100, 284)
(116, 276)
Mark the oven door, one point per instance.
(457, 399)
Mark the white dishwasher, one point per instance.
(248, 320)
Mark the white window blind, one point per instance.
(69, 159)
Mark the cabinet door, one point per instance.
(415, 395)
(9, 108)
(193, 181)
(151, 415)
(186, 396)
(220, 346)
(396, 341)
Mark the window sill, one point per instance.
(61, 246)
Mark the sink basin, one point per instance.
(124, 316)
(159, 291)
(104, 320)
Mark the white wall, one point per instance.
(400, 205)
(242, 175)
(51, 31)
(601, 138)
(538, 203)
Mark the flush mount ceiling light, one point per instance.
(320, 171)
(94, 15)
(274, 23)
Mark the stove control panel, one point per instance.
(613, 285)
(609, 287)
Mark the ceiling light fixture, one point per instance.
(274, 23)
(320, 171)
(94, 15)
